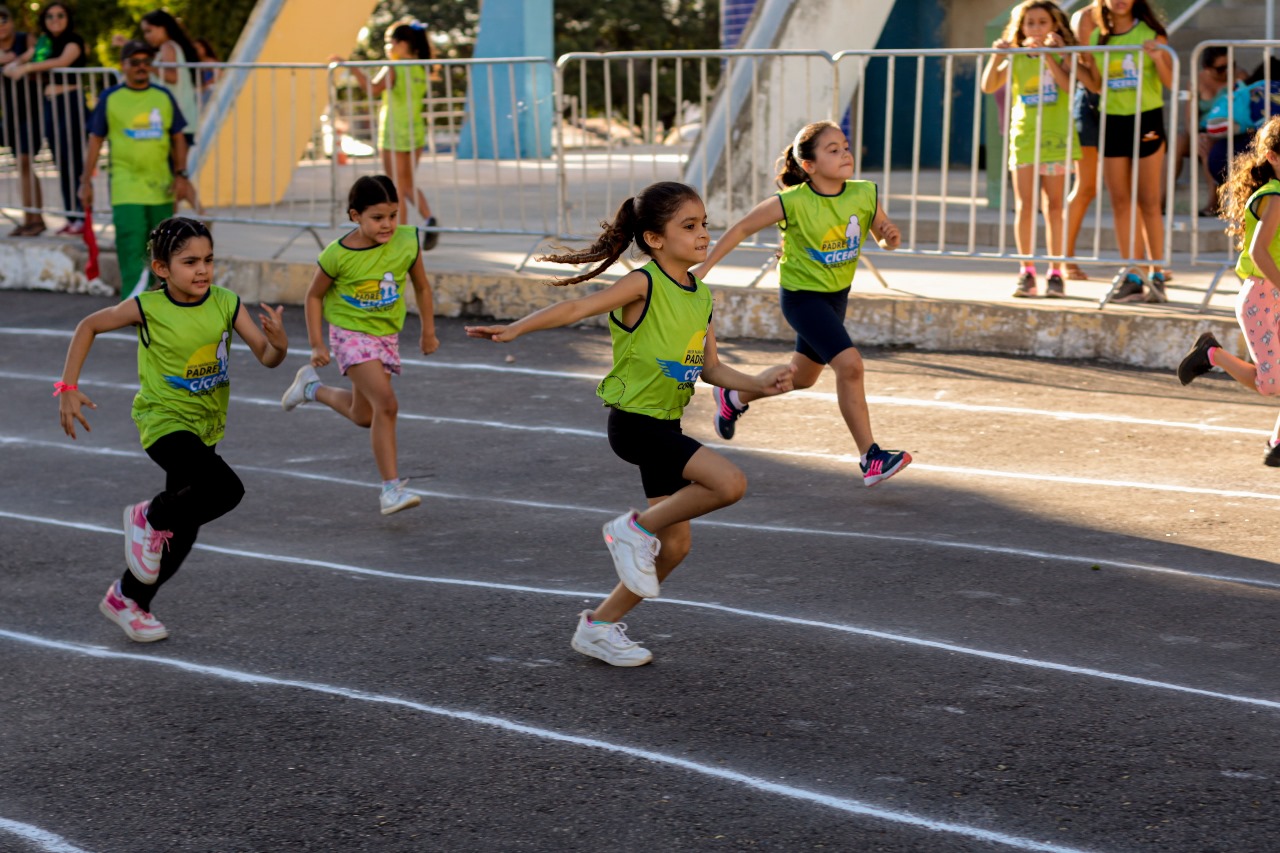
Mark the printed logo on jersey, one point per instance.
(1031, 92)
(686, 372)
(375, 295)
(206, 369)
(838, 247)
(146, 126)
(1123, 72)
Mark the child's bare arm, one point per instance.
(1268, 223)
(885, 232)
(426, 307)
(632, 287)
(270, 345)
(766, 213)
(314, 308)
(769, 382)
(71, 399)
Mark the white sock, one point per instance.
(734, 399)
(388, 485)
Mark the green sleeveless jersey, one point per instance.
(1031, 100)
(400, 119)
(1245, 267)
(183, 353)
(368, 284)
(823, 235)
(657, 362)
(1122, 73)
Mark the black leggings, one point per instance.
(64, 128)
(198, 488)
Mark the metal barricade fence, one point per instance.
(1210, 245)
(445, 112)
(45, 117)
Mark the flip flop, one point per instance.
(1074, 273)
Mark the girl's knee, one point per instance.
(733, 488)
(848, 366)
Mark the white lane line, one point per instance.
(844, 459)
(838, 627)
(843, 804)
(879, 400)
(913, 540)
(43, 837)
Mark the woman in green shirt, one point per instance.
(184, 335)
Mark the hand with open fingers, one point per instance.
(777, 380)
(430, 343)
(890, 237)
(69, 403)
(499, 334)
(272, 327)
(319, 355)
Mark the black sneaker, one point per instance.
(1156, 288)
(1026, 285)
(727, 413)
(883, 464)
(1196, 361)
(430, 238)
(1055, 287)
(1272, 459)
(1131, 289)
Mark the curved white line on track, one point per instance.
(879, 400)
(1006, 550)
(839, 458)
(843, 804)
(46, 840)
(938, 645)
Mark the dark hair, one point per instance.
(208, 48)
(71, 22)
(1260, 73)
(790, 172)
(1211, 55)
(1061, 24)
(177, 35)
(369, 190)
(1249, 171)
(650, 210)
(415, 33)
(170, 236)
(1142, 11)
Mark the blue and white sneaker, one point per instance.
(727, 413)
(883, 464)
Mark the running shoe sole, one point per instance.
(106, 611)
(591, 652)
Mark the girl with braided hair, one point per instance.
(660, 323)
(184, 334)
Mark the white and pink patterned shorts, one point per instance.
(350, 348)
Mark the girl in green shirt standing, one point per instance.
(1133, 23)
(660, 324)
(184, 336)
(1041, 102)
(825, 218)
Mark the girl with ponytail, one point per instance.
(825, 218)
(660, 325)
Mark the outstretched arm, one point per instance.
(766, 213)
(70, 399)
(767, 383)
(632, 287)
(269, 346)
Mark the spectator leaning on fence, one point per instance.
(59, 46)
(143, 124)
(1133, 23)
(20, 128)
(1037, 86)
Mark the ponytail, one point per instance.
(803, 147)
(790, 172)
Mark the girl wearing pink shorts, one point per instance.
(359, 290)
(1250, 201)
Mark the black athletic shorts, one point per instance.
(818, 319)
(660, 448)
(1085, 109)
(1119, 141)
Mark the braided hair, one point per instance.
(168, 238)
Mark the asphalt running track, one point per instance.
(1054, 632)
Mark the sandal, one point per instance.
(1074, 273)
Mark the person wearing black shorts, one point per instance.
(19, 129)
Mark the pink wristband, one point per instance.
(60, 386)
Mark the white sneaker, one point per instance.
(138, 624)
(633, 551)
(296, 394)
(396, 499)
(608, 642)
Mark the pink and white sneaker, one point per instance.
(138, 624)
(142, 544)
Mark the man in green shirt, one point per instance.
(148, 161)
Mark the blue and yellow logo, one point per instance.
(206, 371)
(687, 371)
(375, 295)
(146, 126)
(839, 247)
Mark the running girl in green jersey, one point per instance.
(184, 338)
(358, 289)
(1041, 104)
(402, 130)
(660, 323)
(1250, 202)
(824, 217)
